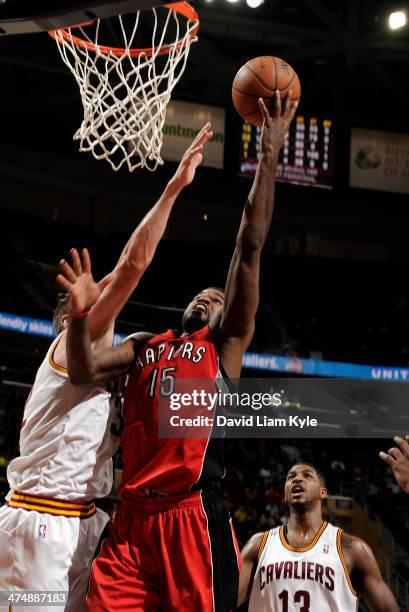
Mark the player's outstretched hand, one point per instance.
(398, 459)
(192, 157)
(77, 280)
(276, 122)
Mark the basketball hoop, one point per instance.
(125, 90)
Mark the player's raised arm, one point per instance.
(85, 364)
(398, 460)
(140, 248)
(242, 287)
(249, 558)
(378, 596)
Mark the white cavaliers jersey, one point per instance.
(66, 439)
(314, 578)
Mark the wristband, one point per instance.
(80, 315)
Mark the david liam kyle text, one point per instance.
(242, 421)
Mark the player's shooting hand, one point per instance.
(398, 460)
(77, 280)
(192, 157)
(276, 122)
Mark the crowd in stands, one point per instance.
(12, 400)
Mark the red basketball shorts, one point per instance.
(175, 553)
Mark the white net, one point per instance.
(125, 91)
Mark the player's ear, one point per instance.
(324, 493)
(64, 321)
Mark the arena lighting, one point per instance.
(254, 3)
(232, 1)
(397, 20)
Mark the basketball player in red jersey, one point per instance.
(309, 564)
(398, 460)
(171, 544)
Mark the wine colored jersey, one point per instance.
(167, 466)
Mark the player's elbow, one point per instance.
(81, 376)
(79, 379)
(385, 606)
(387, 601)
(135, 264)
(240, 600)
(243, 591)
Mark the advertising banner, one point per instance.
(256, 361)
(379, 160)
(183, 122)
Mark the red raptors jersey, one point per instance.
(168, 465)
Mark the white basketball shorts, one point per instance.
(45, 553)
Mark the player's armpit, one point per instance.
(377, 595)
(249, 557)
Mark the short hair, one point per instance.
(209, 287)
(217, 288)
(63, 304)
(317, 470)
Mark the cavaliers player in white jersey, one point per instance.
(310, 565)
(50, 527)
(171, 545)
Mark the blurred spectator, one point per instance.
(240, 515)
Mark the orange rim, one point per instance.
(183, 8)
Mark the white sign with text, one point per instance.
(183, 122)
(379, 160)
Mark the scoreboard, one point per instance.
(306, 157)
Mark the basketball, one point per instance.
(259, 78)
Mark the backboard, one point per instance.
(26, 16)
